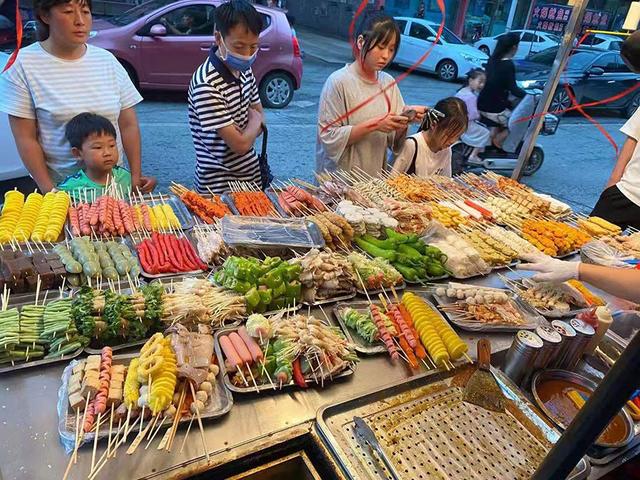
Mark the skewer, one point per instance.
(204, 443)
(255, 385)
(95, 442)
(136, 441)
(176, 419)
(113, 405)
(184, 441)
(102, 461)
(115, 440)
(156, 432)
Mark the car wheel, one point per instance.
(276, 90)
(484, 49)
(633, 105)
(447, 71)
(560, 102)
(534, 163)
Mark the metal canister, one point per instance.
(568, 335)
(552, 342)
(584, 334)
(521, 355)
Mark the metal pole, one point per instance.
(512, 14)
(571, 32)
(611, 395)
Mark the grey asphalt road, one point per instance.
(577, 163)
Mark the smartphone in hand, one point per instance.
(410, 114)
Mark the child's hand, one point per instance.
(146, 185)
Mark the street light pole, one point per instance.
(570, 33)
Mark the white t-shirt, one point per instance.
(427, 161)
(343, 91)
(629, 184)
(52, 90)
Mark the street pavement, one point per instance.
(578, 159)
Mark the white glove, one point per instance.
(551, 269)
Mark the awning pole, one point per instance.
(571, 32)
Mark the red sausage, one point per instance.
(254, 348)
(241, 348)
(193, 256)
(94, 214)
(233, 358)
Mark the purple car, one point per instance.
(162, 42)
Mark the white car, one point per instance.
(450, 58)
(603, 41)
(531, 41)
(11, 165)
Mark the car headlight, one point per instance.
(530, 83)
(93, 33)
(471, 58)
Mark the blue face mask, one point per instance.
(237, 62)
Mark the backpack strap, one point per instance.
(412, 166)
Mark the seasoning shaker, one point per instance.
(521, 356)
(568, 335)
(552, 342)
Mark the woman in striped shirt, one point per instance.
(59, 77)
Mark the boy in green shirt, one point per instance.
(93, 141)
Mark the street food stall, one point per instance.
(329, 330)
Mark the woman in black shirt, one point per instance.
(493, 101)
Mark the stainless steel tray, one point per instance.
(22, 365)
(397, 288)
(273, 196)
(116, 348)
(533, 319)
(573, 311)
(567, 255)
(428, 432)
(408, 282)
(129, 242)
(179, 208)
(361, 344)
(216, 407)
(260, 387)
(294, 308)
(327, 301)
(228, 199)
(4, 368)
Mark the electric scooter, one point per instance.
(494, 158)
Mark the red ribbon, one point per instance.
(14, 55)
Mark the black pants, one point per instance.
(614, 207)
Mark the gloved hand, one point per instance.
(551, 269)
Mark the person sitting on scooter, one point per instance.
(477, 136)
(493, 101)
(428, 152)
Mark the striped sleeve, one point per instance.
(255, 96)
(210, 107)
(15, 97)
(129, 96)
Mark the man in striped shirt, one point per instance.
(225, 114)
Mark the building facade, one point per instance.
(467, 18)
